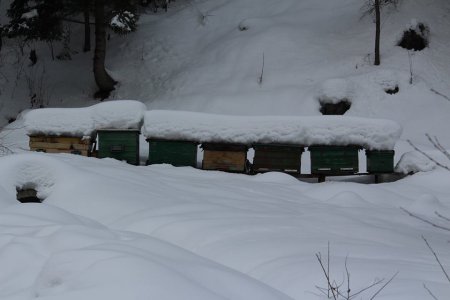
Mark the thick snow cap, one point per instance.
(372, 134)
(124, 114)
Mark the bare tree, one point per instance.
(374, 8)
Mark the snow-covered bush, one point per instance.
(335, 97)
(123, 22)
(415, 37)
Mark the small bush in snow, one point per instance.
(415, 37)
(123, 22)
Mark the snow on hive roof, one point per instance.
(372, 134)
(124, 114)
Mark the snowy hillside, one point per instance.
(109, 230)
(207, 55)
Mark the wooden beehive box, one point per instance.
(334, 160)
(224, 157)
(175, 153)
(61, 144)
(274, 157)
(380, 161)
(119, 144)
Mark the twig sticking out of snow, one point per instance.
(334, 288)
(437, 144)
(440, 94)
(410, 67)
(442, 217)
(425, 220)
(429, 292)
(428, 156)
(437, 258)
(260, 78)
(202, 17)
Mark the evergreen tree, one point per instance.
(43, 19)
(35, 20)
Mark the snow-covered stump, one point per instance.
(224, 157)
(28, 195)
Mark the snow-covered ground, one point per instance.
(108, 230)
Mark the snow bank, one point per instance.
(242, 233)
(413, 162)
(49, 253)
(323, 130)
(124, 114)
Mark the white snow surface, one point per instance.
(307, 131)
(124, 114)
(108, 230)
(413, 162)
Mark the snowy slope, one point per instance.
(181, 60)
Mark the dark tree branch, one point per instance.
(437, 144)
(429, 292)
(384, 285)
(428, 156)
(442, 216)
(437, 258)
(424, 220)
(327, 276)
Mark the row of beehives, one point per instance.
(124, 145)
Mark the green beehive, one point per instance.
(380, 161)
(334, 160)
(176, 153)
(273, 157)
(119, 144)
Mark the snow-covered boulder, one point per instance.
(124, 114)
(372, 134)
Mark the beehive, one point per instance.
(224, 157)
(380, 161)
(61, 144)
(176, 153)
(334, 160)
(274, 157)
(119, 144)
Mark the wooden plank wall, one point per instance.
(224, 160)
(61, 144)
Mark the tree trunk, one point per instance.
(104, 82)
(87, 27)
(377, 32)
